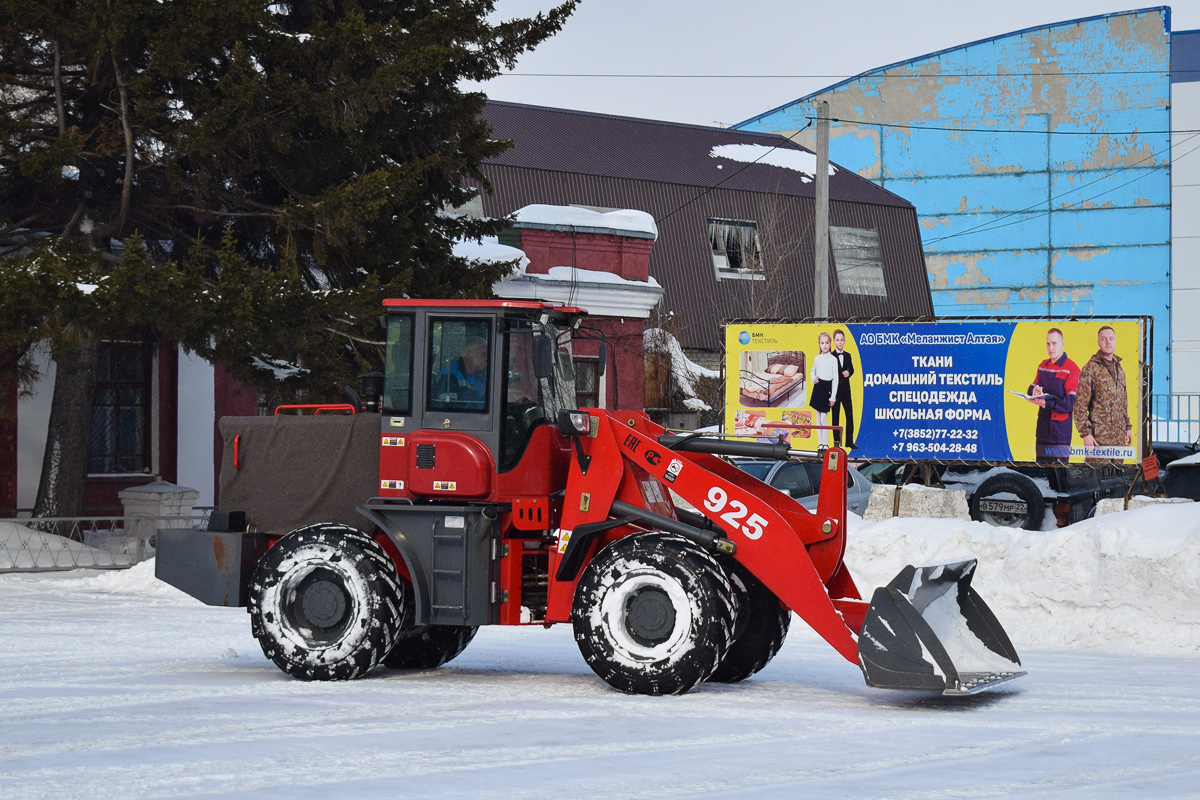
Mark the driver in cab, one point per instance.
(465, 378)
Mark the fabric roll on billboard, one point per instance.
(1045, 391)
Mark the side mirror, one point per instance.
(371, 387)
(602, 351)
(543, 356)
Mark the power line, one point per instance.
(991, 225)
(875, 123)
(906, 75)
(729, 177)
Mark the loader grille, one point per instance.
(426, 454)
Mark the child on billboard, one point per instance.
(824, 377)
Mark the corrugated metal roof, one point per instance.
(583, 143)
(682, 258)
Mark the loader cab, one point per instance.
(466, 388)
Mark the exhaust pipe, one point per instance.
(928, 630)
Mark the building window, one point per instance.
(735, 249)
(587, 383)
(858, 260)
(121, 409)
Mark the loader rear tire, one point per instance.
(430, 646)
(653, 614)
(426, 646)
(762, 625)
(325, 603)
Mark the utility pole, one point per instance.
(821, 220)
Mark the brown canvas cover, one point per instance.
(296, 471)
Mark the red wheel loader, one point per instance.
(465, 488)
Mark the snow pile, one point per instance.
(800, 161)
(138, 581)
(628, 221)
(684, 371)
(1122, 581)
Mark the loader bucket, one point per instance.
(928, 630)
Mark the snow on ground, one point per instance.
(114, 685)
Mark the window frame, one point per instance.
(389, 362)
(428, 405)
(600, 380)
(146, 389)
(862, 284)
(723, 271)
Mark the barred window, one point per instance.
(587, 382)
(121, 409)
(858, 259)
(735, 248)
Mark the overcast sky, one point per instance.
(823, 42)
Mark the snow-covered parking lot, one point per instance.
(114, 685)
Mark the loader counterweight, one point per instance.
(469, 489)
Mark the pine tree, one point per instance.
(248, 179)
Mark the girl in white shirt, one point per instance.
(824, 379)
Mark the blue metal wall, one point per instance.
(1038, 161)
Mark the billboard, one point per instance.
(1045, 391)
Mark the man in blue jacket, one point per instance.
(463, 381)
(1054, 391)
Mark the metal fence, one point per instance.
(43, 544)
(1175, 417)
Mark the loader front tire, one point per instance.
(653, 614)
(761, 626)
(325, 603)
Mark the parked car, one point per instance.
(802, 480)
(1182, 477)
(1019, 496)
(1169, 452)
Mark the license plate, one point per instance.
(1003, 506)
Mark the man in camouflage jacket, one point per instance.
(1101, 404)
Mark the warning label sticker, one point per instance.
(385, 484)
(393, 441)
(445, 486)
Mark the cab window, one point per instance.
(459, 365)
(397, 387)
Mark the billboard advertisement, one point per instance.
(1045, 391)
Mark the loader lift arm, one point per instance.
(795, 553)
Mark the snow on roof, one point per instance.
(628, 221)
(800, 161)
(489, 250)
(601, 293)
(577, 275)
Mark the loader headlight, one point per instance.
(573, 423)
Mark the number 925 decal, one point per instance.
(717, 500)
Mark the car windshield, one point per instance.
(758, 469)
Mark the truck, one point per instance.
(464, 487)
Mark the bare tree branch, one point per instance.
(354, 338)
